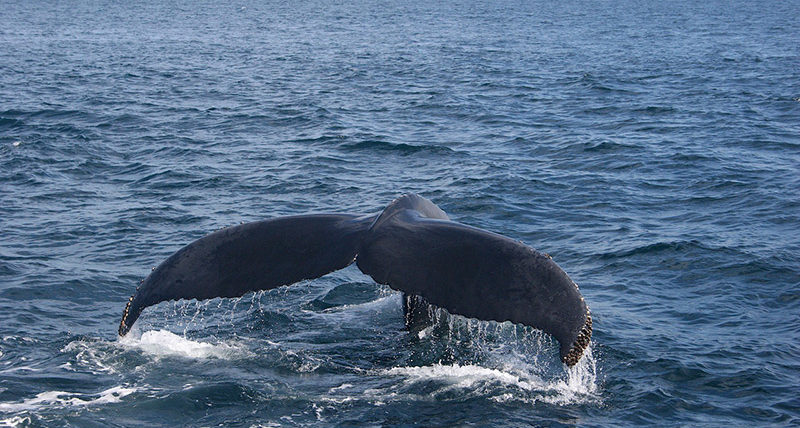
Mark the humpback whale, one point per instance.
(412, 246)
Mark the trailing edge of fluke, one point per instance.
(412, 246)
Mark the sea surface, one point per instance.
(652, 148)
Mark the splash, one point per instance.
(581, 378)
(461, 376)
(512, 380)
(162, 343)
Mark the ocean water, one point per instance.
(652, 148)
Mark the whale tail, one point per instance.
(411, 246)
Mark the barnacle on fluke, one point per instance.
(411, 245)
(580, 344)
(122, 330)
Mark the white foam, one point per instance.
(162, 343)
(368, 306)
(90, 355)
(68, 399)
(340, 387)
(578, 385)
(466, 376)
(22, 338)
(16, 421)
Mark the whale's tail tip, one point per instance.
(124, 325)
(580, 344)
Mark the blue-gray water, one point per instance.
(653, 148)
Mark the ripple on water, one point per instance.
(661, 175)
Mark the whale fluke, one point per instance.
(254, 256)
(411, 246)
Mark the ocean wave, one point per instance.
(656, 247)
(399, 148)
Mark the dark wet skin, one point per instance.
(412, 246)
